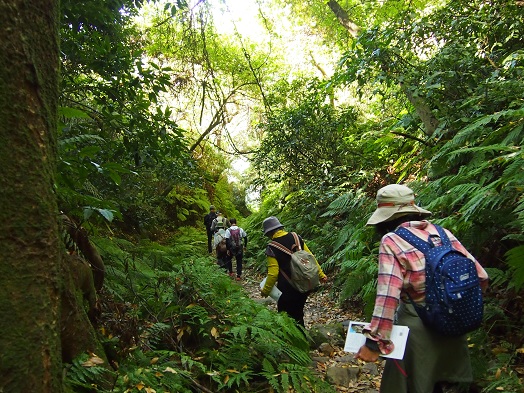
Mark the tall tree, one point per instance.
(119, 149)
(367, 48)
(217, 78)
(388, 63)
(29, 239)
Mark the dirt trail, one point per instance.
(321, 309)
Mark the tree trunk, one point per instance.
(30, 359)
(343, 18)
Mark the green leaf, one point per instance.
(107, 214)
(72, 113)
(115, 177)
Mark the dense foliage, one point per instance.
(156, 106)
(449, 122)
(174, 322)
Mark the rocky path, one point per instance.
(337, 366)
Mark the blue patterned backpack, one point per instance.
(453, 304)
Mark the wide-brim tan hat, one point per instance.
(393, 201)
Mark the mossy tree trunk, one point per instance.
(30, 359)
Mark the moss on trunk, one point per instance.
(29, 242)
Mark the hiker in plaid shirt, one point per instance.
(431, 361)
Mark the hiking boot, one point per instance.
(238, 278)
(231, 274)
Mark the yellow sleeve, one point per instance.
(272, 275)
(321, 274)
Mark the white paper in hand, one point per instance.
(355, 339)
(275, 292)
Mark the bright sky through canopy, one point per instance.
(241, 14)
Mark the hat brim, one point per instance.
(267, 230)
(388, 213)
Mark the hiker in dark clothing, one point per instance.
(235, 236)
(291, 301)
(208, 221)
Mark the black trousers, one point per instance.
(292, 302)
(238, 258)
(209, 240)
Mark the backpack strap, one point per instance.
(426, 247)
(414, 240)
(420, 245)
(443, 236)
(286, 250)
(280, 247)
(297, 242)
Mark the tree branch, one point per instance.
(323, 72)
(410, 137)
(343, 18)
(421, 107)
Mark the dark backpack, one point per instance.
(453, 295)
(221, 248)
(304, 267)
(236, 240)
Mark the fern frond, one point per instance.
(477, 127)
(497, 277)
(156, 332)
(482, 150)
(80, 139)
(515, 259)
(514, 136)
(80, 376)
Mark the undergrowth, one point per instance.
(348, 253)
(172, 321)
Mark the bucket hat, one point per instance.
(270, 224)
(212, 207)
(393, 201)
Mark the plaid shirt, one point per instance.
(402, 270)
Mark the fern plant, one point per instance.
(87, 371)
(192, 326)
(286, 377)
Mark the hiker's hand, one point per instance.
(263, 294)
(324, 279)
(366, 354)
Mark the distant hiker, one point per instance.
(208, 221)
(292, 301)
(431, 359)
(218, 227)
(236, 242)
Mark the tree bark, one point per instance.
(30, 359)
(423, 110)
(343, 18)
